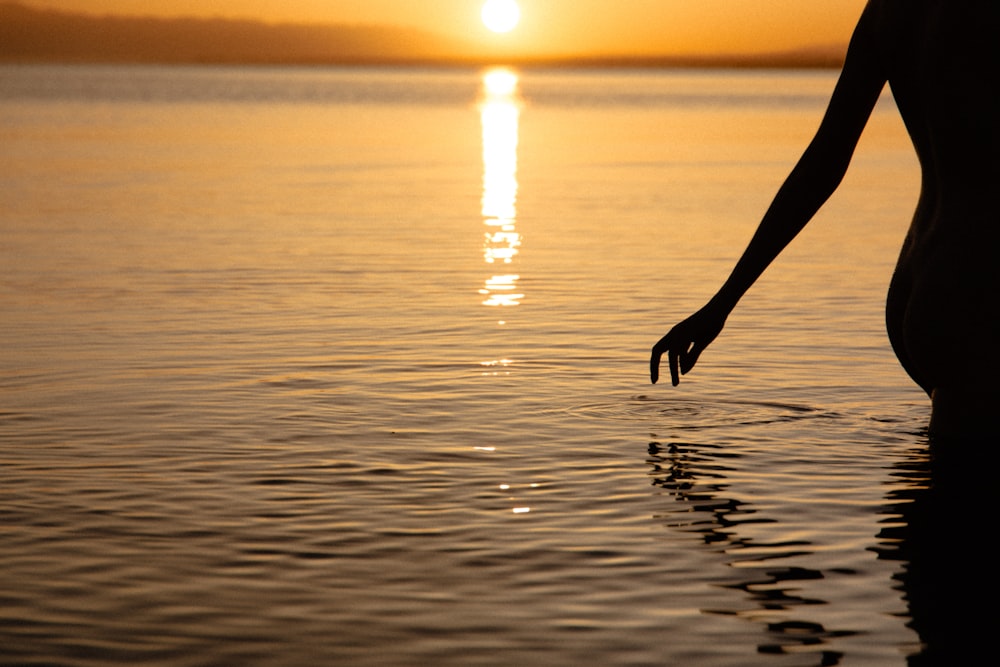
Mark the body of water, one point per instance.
(349, 367)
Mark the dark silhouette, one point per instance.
(939, 525)
(940, 58)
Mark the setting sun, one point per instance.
(501, 15)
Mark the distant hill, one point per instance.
(32, 35)
(818, 57)
(29, 35)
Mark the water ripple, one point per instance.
(691, 414)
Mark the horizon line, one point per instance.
(48, 36)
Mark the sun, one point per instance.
(501, 15)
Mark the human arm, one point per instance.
(811, 182)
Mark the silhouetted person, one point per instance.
(940, 58)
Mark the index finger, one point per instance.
(654, 363)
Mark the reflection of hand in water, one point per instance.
(939, 523)
(695, 476)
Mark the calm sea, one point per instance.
(349, 367)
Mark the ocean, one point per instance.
(349, 366)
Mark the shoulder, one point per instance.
(900, 33)
(886, 21)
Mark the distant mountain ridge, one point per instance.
(33, 35)
(29, 35)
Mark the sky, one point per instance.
(577, 27)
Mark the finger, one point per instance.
(690, 358)
(672, 359)
(656, 357)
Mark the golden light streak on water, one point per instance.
(499, 116)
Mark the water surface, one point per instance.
(348, 366)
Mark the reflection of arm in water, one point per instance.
(814, 178)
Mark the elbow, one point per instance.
(834, 176)
(821, 172)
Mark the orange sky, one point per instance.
(578, 27)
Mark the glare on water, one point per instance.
(499, 113)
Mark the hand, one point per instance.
(686, 341)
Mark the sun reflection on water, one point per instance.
(499, 113)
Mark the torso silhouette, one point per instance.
(943, 309)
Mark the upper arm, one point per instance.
(857, 91)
